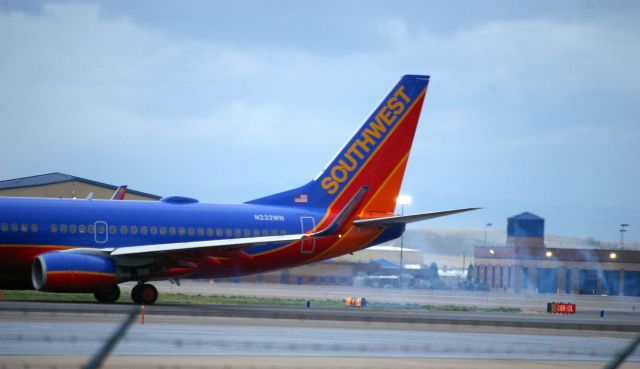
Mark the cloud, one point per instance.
(181, 103)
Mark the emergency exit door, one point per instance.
(307, 245)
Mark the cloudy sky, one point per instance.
(532, 106)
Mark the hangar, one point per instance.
(62, 185)
(527, 265)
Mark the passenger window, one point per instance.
(274, 232)
(91, 229)
(24, 227)
(192, 231)
(54, 228)
(82, 228)
(14, 227)
(34, 228)
(181, 231)
(219, 232)
(154, 230)
(210, 232)
(112, 229)
(247, 233)
(256, 233)
(4, 227)
(283, 232)
(63, 228)
(172, 231)
(200, 231)
(134, 229)
(143, 230)
(227, 232)
(265, 232)
(238, 232)
(72, 228)
(123, 229)
(163, 231)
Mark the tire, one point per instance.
(108, 296)
(136, 294)
(144, 294)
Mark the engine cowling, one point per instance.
(69, 272)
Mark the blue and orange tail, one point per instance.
(375, 157)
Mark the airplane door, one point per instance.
(307, 245)
(101, 233)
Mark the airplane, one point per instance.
(61, 245)
(119, 194)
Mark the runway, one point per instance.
(613, 321)
(70, 335)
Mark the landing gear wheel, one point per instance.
(109, 295)
(144, 294)
(135, 293)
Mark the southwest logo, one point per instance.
(360, 149)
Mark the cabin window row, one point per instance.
(144, 230)
(18, 227)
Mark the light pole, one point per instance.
(485, 232)
(622, 230)
(464, 254)
(402, 200)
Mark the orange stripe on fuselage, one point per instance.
(354, 239)
(388, 191)
(83, 272)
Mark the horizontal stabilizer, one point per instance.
(404, 219)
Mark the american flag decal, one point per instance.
(301, 198)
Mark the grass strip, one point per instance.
(178, 298)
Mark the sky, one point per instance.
(532, 106)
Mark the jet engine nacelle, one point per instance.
(69, 272)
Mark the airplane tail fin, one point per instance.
(376, 157)
(120, 193)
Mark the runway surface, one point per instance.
(56, 337)
(61, 334)
(613, 321)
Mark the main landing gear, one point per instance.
(109, 295)
(144, 293)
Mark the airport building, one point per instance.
(60, 185)
(525, 264)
